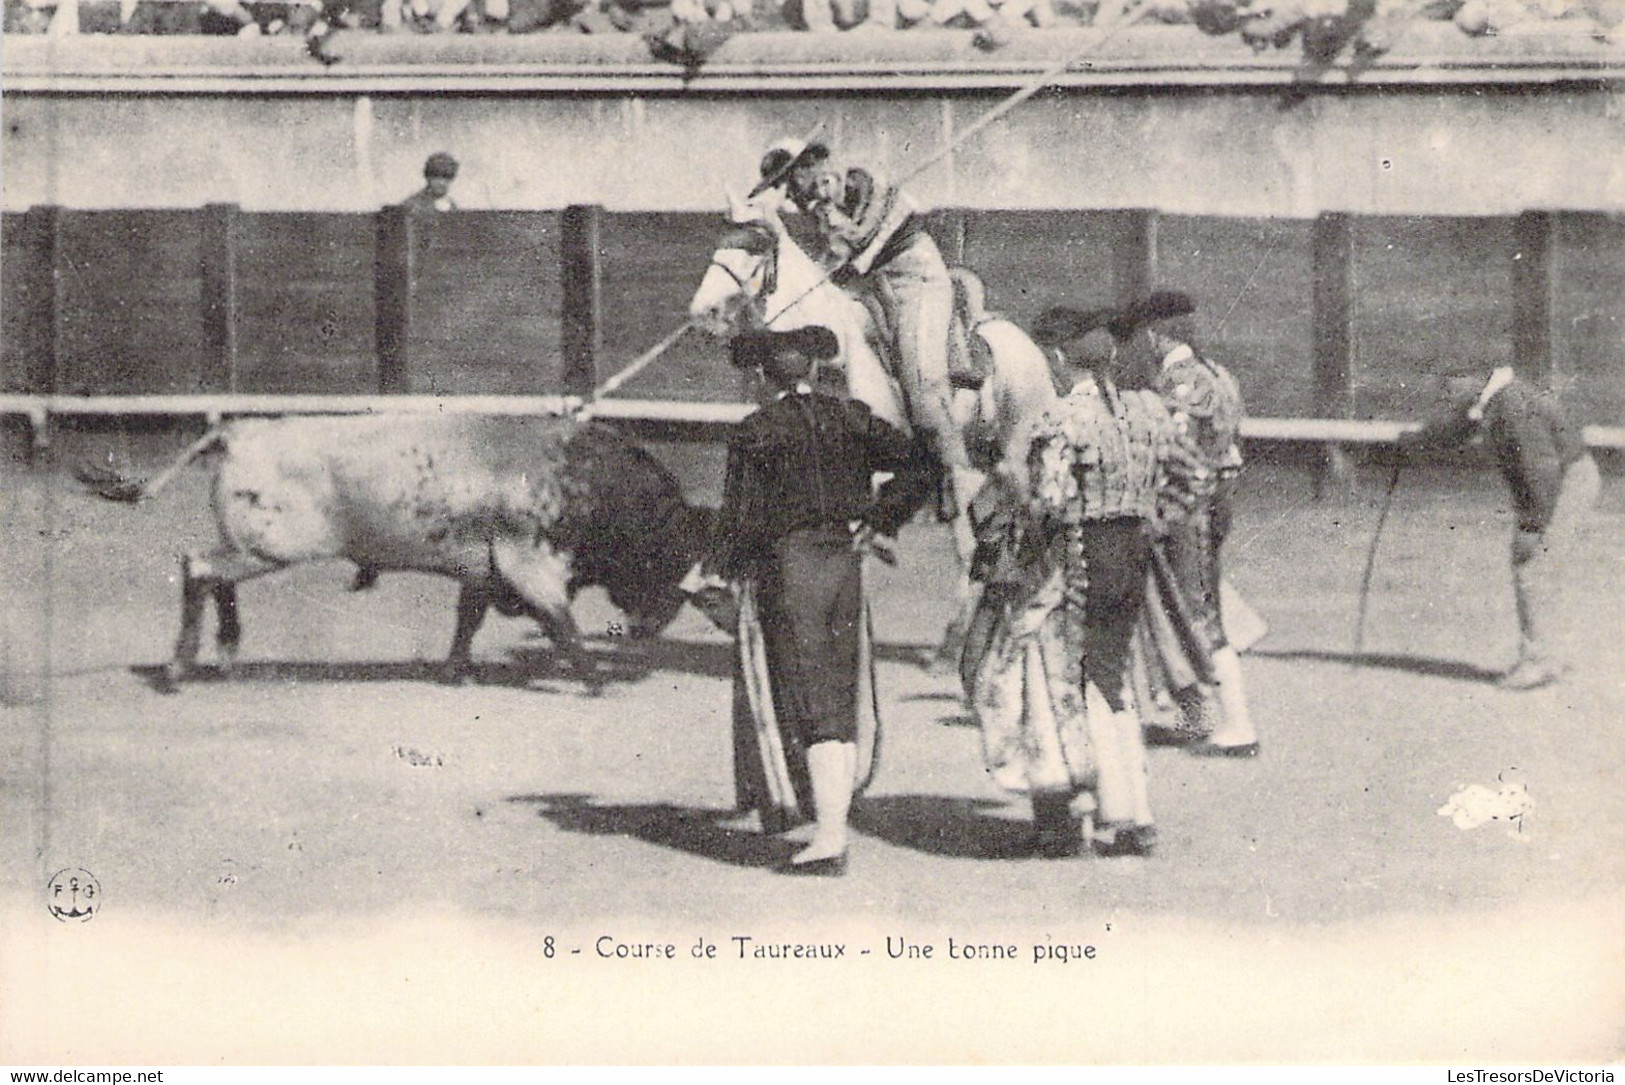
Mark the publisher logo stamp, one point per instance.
(73, 895)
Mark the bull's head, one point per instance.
(743, 269)
(652, 620)
(650, 592)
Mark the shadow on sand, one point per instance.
(945, 825)
(514, 673)
(688, 829)
(616, 660)
(935, 824)
(1419, 665)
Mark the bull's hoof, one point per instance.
(228, 660)
(457, 672)
(592, 681)
(948, 654)
(170, 676)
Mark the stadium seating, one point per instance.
(1319, 25)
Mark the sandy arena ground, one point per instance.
(329, 857)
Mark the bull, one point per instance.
(523, 512)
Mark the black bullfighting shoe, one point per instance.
(1138, 840)
(1157, 734)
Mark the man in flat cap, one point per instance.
(1049, 685)
(798, 493)
(1184, 649)
(439, 171)
(1554, 482)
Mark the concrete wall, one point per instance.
(1157, 117)
(1232, 154)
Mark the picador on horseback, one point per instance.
(965, 383)
(875, 242)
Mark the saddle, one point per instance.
(970, 359)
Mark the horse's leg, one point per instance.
(967, 412)
(966, 592)
(952, 649)
(922, 480)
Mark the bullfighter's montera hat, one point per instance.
(784, 355)
(1158, 305)
(1062, 324)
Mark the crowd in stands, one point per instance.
(1262, 22)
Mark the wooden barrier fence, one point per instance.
(547, 274)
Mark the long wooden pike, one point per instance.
(1038, 83)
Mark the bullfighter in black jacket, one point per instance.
(795, 509)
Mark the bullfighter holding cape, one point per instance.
(1187, 669)
(1065, 558)
(791, 536)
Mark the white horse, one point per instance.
(760, 277)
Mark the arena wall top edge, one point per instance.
(1149, 117)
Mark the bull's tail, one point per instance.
(116, 486)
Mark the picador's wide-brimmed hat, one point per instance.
(781, 353)
(784, 157)
(1158, 305)
(1062, 324)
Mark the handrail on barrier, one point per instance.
(213, 408)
